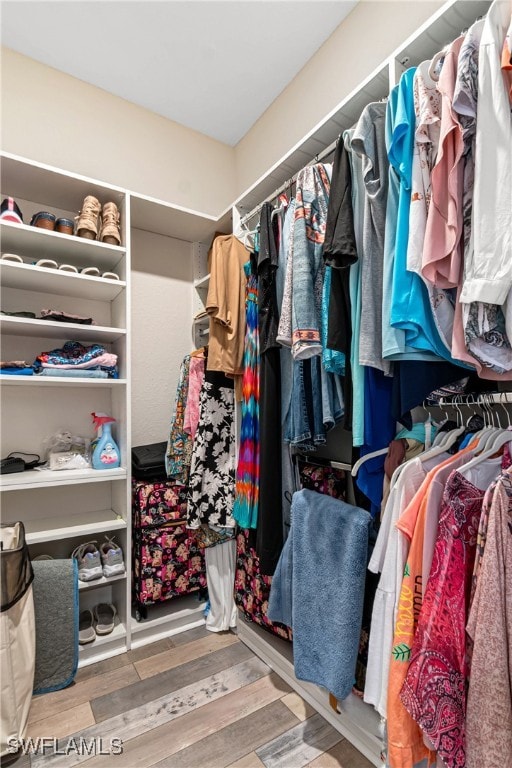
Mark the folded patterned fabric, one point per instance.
(68, 374)
(65, 317)
(107, 360)
(72, 353)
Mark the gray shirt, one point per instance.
(369, 143)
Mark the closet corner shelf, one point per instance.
(47, 478)
(36, 243)
(103, 582)
(169, 618)
(59, 381)
(28, 277)
(41, 530)
(202, 282)
(47, 329)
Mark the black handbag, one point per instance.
(148, 461)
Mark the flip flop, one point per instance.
(110, 276)
(91, 271)
(105, 614)
(68, 268)
(12, 257)
(86, 633)
(48, 263)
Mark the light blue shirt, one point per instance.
(410, 303)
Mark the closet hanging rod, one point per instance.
(317, 159)
(485, 398)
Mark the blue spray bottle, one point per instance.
(105, 451)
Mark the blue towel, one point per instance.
(322, 572)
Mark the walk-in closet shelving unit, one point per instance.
(358, 722)
(61, 509)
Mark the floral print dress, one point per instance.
(212, 472)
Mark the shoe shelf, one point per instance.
(36, 243)
(48, 329)
(59, 381)
(47, 478)
(103, 646)
(49, 529)
(103, 582)
(28, 277)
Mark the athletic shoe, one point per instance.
(89, 561)
(112, 558)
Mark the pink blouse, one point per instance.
(195, 382)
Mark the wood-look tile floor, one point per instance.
(196, 700)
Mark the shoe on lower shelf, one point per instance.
(86, 633)
(111, 558)
(105, 616)
(89, 561)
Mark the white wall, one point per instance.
(56, 119)
(362, 41)
(161, 330)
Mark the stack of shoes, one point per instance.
(94, 623)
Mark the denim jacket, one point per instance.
(312, 199)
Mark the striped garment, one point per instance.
(245, 509)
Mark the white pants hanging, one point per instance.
(220, 574)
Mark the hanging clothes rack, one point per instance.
(287, 184)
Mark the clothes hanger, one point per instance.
(436, 58)
(359, 463)
(283, 205)
(502, 439)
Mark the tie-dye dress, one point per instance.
(245, 509)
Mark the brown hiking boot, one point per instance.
(87, 222)
(110, 231)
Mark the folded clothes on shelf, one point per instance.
(96, 373)
(14, 364)
(16, 371)
(107, 360)
(65, 317)
(76, 356)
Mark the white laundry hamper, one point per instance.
(18, 636)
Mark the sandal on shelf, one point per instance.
(88, 220)
(105, 615)
(86, 633)
(43, 220)
(12, 257)
(65, 226)
(47, 263)
(91, 271)
(68, 268)
(110, 276)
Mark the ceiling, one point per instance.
(211, 65)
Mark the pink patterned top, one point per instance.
(195, 382)
(434, 691)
